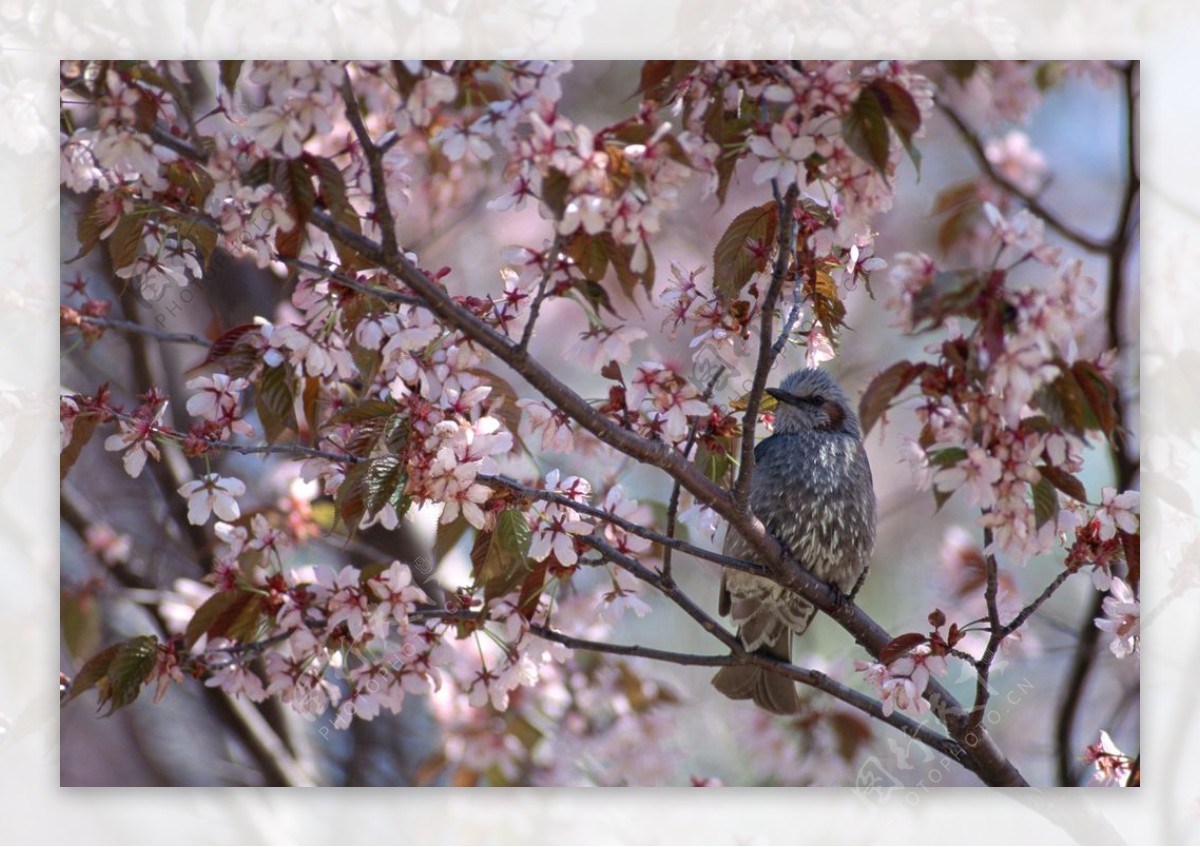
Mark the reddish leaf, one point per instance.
(125, 241)
(205, 617)
(851, 733)
(275, 400)
(225, 343)
(1101, 395)
(93, 670)
(901, 112)
(81, 434)
(865, 130)
(884, 388)
(744, 249)
(1131, 543)
(900, 645)
(1065, 482)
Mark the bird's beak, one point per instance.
(782, 396)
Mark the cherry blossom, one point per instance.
(210, 494)
(1117, 512)
(901, 684)
(783, 154)
(550, 425)
(1113, 767)
(1122, 617)
(135, 439)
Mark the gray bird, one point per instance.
(811, 488)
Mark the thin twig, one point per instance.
(535, 308)
(975, 145)
(351, 282)
(142, 329)
(383, 209)
(785, 248)
(673, 503)
(665, 541)
(1024, 615)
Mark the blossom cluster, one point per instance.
(985, 430)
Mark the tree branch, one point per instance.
(785, 248)
(142, 329)
(975, 145)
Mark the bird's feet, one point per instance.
(840, 598)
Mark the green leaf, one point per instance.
(744, 249)
(383, 484)
(87, 232)
(630, 279)
(961, 70)
(129, 670)
(79, 618)
(555, 185)
(500, 557)
(447, 536)
(589, 253)
(947, 458)
(1045, 502)
(275, 401)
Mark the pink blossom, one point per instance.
(977, 472)
(234, 678)
(622, 597)
(212, 493)
(1122, 617)
(1117, 512)
(782, 155)
(553, 426)
(600, 345)
(1112, 766)
(135, 438)
(1017, 160)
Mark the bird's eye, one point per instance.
(811, 400)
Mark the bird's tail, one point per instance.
(773, 692)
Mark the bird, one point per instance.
(811, 488)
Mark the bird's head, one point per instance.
(810, 399)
